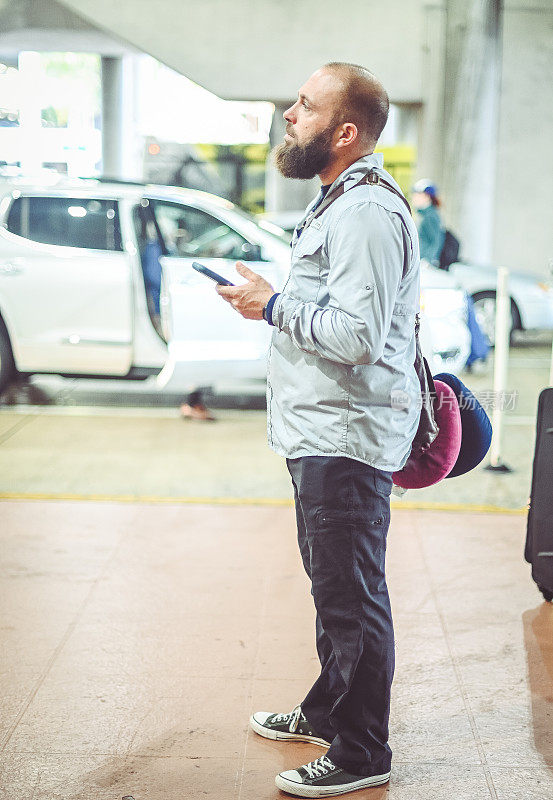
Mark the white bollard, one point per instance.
(501, 362)
(551, 367)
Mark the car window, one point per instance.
(190, 233)
(69, 222)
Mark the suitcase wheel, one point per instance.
(546, 594)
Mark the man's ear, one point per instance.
(347, 134)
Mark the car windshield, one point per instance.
(267, 227)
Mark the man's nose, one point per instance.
(289, 115)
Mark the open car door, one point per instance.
(208, 341)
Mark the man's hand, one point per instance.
(251, 298)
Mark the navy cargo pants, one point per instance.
(343, 514)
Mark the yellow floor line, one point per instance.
(407, 505)
(467, 507)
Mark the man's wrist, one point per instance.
(268, 310)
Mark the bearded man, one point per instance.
(343, 345)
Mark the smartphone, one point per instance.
(210, 274)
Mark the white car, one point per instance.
(77, 298)
(75, 258)
(531, 297)
(445, 337)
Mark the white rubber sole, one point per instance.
(303, 790)
(280, 736)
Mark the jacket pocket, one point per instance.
(309, 243)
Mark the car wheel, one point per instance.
(485, 311)
(7, 365)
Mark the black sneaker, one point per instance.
(285, 727)
(322, 778)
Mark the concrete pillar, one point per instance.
(477, 212)
(282, 194)
(30, 130)
(430, 151)
(523, 236)
(132, 161)
(471, 123)
(112, 117)
(407, 123)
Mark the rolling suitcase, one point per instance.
(539, 532)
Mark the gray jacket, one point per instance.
(343, 347)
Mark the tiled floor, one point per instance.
(138, 638)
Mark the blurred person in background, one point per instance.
(343, 343)
(151, 251)
(150, 254)
(195, 409)
(430, 228)
(432, 235)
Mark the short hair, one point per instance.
(364, 101)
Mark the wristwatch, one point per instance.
(264, 312)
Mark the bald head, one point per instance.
(362, 100)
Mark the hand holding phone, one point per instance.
(249, 299)
(210, 274)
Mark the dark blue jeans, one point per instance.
(343, 514)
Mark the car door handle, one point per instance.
(8, 268)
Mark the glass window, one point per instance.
(190, 233)
(70, 222)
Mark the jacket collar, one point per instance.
(351, 175)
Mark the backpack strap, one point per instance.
(373, 178)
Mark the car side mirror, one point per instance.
(251, 252)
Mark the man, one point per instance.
(342, 347)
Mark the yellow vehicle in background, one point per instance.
(400, 162)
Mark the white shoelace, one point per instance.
(321, 766)
(292, 716)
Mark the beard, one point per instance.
(304, 161)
